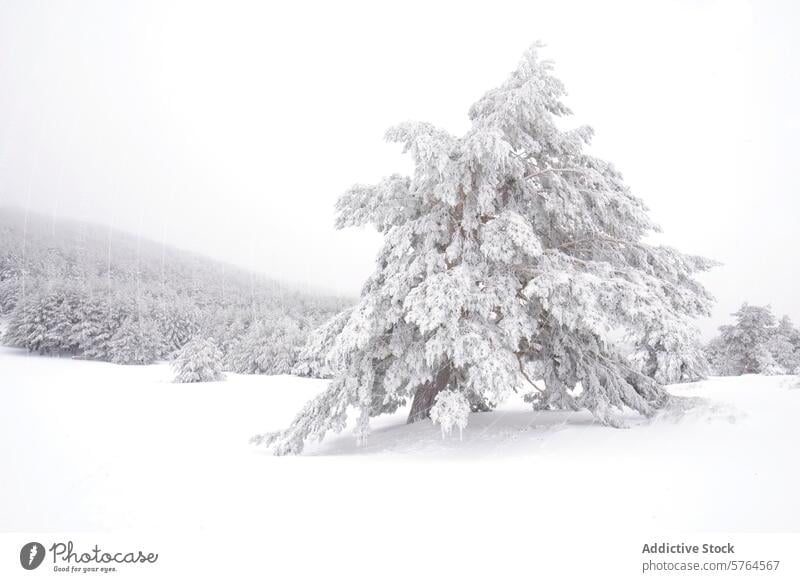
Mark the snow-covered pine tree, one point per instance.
(9, 292)
(269, 346)
(744, 347)
(785, 346)
(177, 320)
(86, 328)
(104, 315)
(787, 329)
(200, 360)
(755, 344)
(509, 255)
(39, 319)
(720, 359)
(135, 342)
(27, 324)
(671, 354)
(10, 276)
(66, 317)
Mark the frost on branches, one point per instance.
(312, 357)
(755, 344)
(450, 409)
(200, 360)
(63, 293)
(509, 256)
(671, 354)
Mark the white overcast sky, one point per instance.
(230, 128)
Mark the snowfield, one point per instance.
(91, 447)
(99, 446)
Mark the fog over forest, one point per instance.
(231, 132)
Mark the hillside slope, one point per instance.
(75, 288)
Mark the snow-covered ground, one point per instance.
(95, 445)
(89, 446)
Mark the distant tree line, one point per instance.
(755, 344)
(74, 289)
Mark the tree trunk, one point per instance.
(425, 395)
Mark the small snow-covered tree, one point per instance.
(671, 354)
(87, 329)
(200, 360)
(721, 361)
(10, 280)
(104, 314)
(9, 294)
(177, 321)
(135, 342)
(450, 409)
(785, 346)
(744, 347)
(787, 329)
(43, 319)
(27, 325)
(510, 254)
(755, 344)
(786, 359)
(269, 346)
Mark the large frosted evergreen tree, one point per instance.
(509, 257)
(755, 344)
